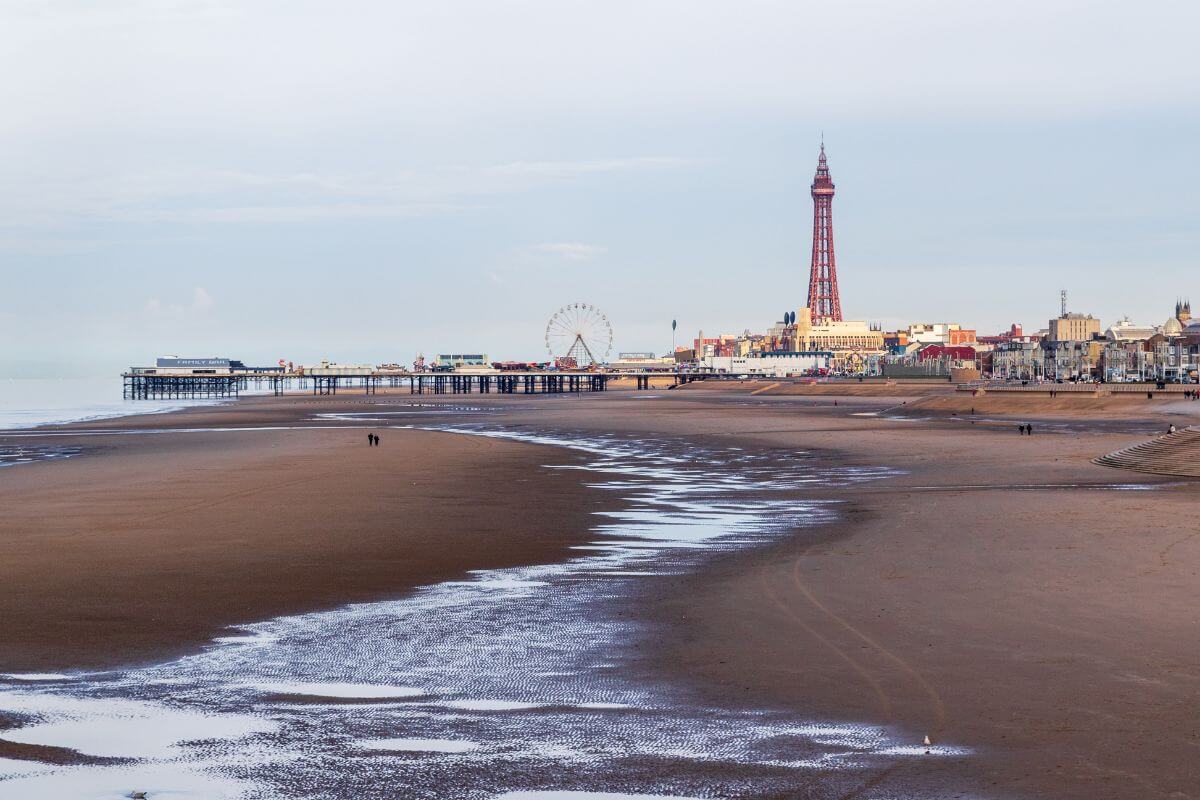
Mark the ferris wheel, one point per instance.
(579, 335)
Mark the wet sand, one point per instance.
(145, 546)
(994, 596)
(1002, 594)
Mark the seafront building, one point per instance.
(948, 333)
(641, 362)
(177, 366)
(1126, 330)
(1018, 360)
(451, 361)
(774, 364)
(1073, 328)
(1075, 349)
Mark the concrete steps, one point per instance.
(1174, 454)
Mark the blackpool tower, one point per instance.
(823, 300)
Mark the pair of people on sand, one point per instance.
(1025, 430)
(372, 440)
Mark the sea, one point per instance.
(26, 402)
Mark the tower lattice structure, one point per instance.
(823, 299)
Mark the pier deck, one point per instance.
(145, 385)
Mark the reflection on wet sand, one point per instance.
(512, 683)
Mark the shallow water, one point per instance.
(16, 454)
(513, 683)
(26, 402)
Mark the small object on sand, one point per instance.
(927, 742)
(138, 795)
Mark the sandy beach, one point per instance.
(997, 592)
(150, 544)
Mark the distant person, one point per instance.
(377, 440)
(1029, 430)
(370, 439)
(1021, 429)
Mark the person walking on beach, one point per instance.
(370, 439)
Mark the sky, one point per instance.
(364, 181)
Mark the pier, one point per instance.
(143, 384)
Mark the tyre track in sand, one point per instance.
(882, 695)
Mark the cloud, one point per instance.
(282, 213)
(220, 196)
(571, 169)
(202, 301)
(571, 251)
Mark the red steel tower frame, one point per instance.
(823, 298)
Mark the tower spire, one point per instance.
(823, 298)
